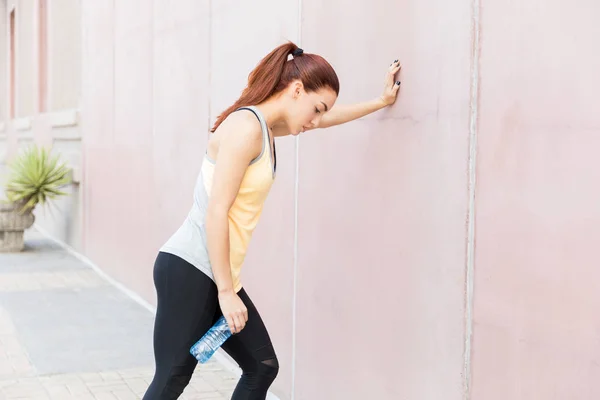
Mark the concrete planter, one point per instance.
(12, 227)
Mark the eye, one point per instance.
(317, 110)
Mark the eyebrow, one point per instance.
(326, 108)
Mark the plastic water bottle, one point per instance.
(204, 348)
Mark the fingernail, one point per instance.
(398, 83)
(395, 61)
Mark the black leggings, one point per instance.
(187, 307)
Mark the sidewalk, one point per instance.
(66, 333)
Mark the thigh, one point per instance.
(186, 302)
(253, 343)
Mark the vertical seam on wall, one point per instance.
(83, 163)
(473, 119)
(48, 51)
(16, 55)
(114, 68)
(296, 193)
(35, 33)
(209, 66)
(295, 272)
(7, 118)
(152, 79)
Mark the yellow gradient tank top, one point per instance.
(189, 241)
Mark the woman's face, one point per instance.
(308, 108)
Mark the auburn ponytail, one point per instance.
(275, 72)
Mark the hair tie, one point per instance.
(297, 52)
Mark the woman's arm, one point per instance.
(340, 114)
(239, 144)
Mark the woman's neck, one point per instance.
(275, 115)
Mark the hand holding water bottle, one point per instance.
(234, 310)
(235, 315)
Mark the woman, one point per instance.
(197, 271)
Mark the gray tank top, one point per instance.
(189, 241)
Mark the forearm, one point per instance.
(340, 114)
(217, 240)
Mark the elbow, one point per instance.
(216, 215)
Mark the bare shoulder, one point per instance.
(241, 133)
(242, 124)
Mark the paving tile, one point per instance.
(65, 333)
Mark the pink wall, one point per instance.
(382, 208)
(537, 282)
(365, 295)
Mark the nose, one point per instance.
(316, 120)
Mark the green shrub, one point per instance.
(35, 177)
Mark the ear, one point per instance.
(296, 88)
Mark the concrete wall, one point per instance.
(537, 286)
(26, 67)
(57, 125)
(3, 70)
(64, 34)
(382, 206)
(439, 248)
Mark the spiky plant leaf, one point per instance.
(35, 177)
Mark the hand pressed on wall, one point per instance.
(390, 90)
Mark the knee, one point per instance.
(260, 375)
(264, 374)
(259, 371)
(269, 368)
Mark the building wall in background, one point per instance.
(442, 246)
(47, 91)
(537, 282)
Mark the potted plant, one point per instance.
(34, 178)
